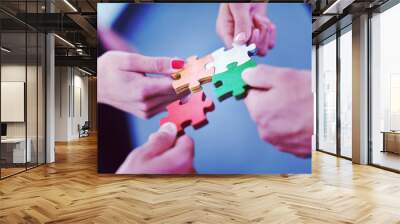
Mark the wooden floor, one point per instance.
(387, 159)
(70, 191)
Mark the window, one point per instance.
(346, 75)
(327, 96)
(385, 89)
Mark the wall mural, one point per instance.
(204, 88)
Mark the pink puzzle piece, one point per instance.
(191, 112)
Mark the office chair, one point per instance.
(84, 130)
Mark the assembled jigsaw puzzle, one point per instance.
(224, 68)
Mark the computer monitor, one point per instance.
(3, 129)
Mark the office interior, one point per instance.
(44, 97)
(48, 92)
(334, 74)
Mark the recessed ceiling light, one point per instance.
(70, 5)
(64, 40)
(84, 71)
(5, 50)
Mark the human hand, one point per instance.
(163, 153)
(281, 103)
(123, 83)
(112, 41)
(246, 23)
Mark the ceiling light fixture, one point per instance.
(5, 50)
(338, 6)
(64, 40)
(84, 71)
(70, 5)
(333, 6)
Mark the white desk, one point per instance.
(18, 151)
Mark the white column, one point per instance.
(50, 99)
(360, 90)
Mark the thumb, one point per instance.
(258, 77)
(161, 140)
(145, 64)
(242, 20)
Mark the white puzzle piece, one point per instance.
(222, 58)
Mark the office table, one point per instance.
(391, 141)
(13, 150)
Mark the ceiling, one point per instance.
(76, 20)
(330, 15)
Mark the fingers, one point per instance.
(160, 141)
(258, 8)
(143, 88)
(267, 34)
(154, 111)
(152, 103)
(145, 64)
(178, 159)
(262, 41)
(255, 36)
(112, 41)
(225, 25)
(255, 102)
(258, 77)
(242, 20)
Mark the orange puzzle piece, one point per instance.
(193, 74)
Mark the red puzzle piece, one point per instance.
(191, 112)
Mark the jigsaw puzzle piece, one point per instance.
(241, 52)
(193, 112)
(222, 58)
(193, 74)
(231, 82)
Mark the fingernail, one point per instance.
(241, 37)
(169, 128)
(177, 63)
(246, 73)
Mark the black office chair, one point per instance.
(84, 130)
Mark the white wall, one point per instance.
(12, 73)
(70, 83)
(61, 103)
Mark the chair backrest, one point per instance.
(86, 125)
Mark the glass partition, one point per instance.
(41, 97)
(327, 95)
(22, 89)
(385, 89)
(13, 105)
(346, 93)
(31, 99)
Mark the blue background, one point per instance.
(230, 143)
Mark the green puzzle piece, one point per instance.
(231, 82)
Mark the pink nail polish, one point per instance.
(177, 64)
